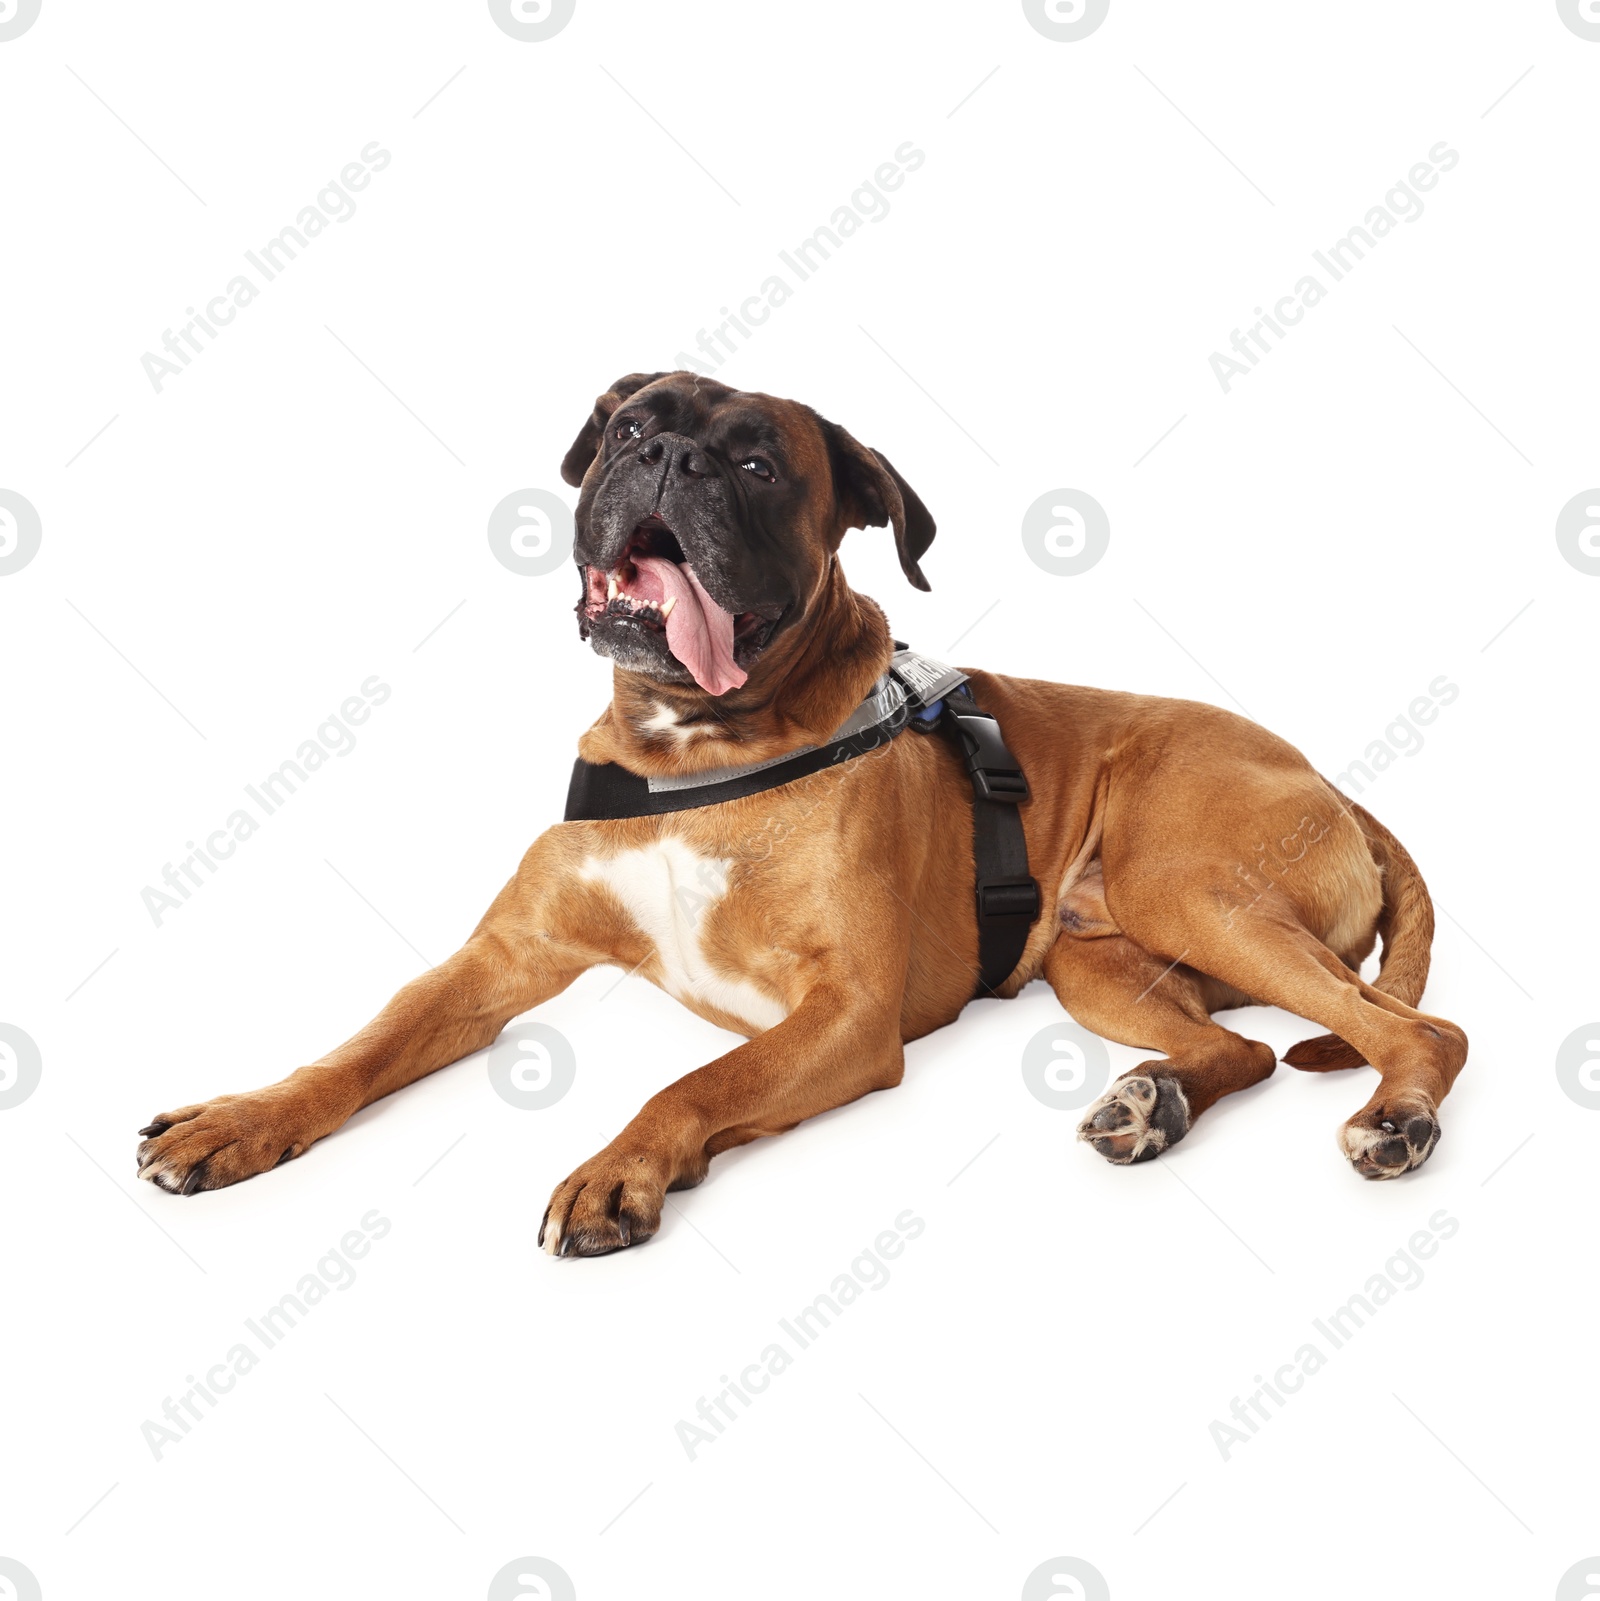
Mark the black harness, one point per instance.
(918, 693)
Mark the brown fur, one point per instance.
(1189, 861)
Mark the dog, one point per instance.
(1186, 860)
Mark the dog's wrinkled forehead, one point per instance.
(730, 421)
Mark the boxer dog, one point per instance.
(1188, 860)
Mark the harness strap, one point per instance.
(1007, 896)
(607, 792)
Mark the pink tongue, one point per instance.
(699, 631)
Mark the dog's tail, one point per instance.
(1406, 924)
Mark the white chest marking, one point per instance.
(670, 891)
(662, 721)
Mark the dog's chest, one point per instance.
(671, 892)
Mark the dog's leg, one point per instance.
(1268, 953)
(456, 1008)
(838, 1044)
(1120, 990)
(1271, 956)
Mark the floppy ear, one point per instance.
(871, 494)
(576, 461)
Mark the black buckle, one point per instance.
(1009, 897)
(996, 774)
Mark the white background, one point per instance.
(229, 559)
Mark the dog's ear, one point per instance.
(871, 494)
(576, 461)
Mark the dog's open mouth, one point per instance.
(653, 587)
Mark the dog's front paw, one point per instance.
(220, 1142)
(613, 1200)
(1385, 1139)
(1138, 1117)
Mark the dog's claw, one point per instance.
(609, 1204)
(216, 1143)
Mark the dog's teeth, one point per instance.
(611, 586)
(666, 611)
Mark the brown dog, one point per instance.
(816, 924)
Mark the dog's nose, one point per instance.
(683, 455)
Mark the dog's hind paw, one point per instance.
(1382, 1141)
(1142, 1114)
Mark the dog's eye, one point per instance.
(760, 467)
(628, 428)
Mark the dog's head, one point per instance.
(708, 522)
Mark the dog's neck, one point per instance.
(800, 692)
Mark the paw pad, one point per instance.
(1137, 1118)
(1384, 1142)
